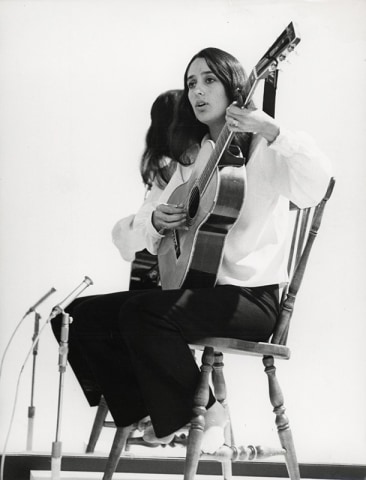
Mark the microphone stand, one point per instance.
(32, 408)
(62, 362)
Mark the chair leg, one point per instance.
(226, 466)
(198, 421)
(283, 427)
(219, 385)
(119, 442)
(97, 425)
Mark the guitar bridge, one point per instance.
(176, 243)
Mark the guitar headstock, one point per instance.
(278, 52)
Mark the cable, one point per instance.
(9, 342)
(30, 310)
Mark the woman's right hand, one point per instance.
(168, 217)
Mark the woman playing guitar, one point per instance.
(137, 342)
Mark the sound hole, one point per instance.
(194, 201)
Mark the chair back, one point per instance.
(306, 225)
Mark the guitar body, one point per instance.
(191, 258)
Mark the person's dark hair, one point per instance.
(186, 129)
(153, 166)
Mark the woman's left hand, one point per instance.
(251, 120)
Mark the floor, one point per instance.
(38, 475)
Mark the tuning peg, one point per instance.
(273, 66)
(292, 49)
(282, 57)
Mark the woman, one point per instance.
(155, 167)
(137, 342)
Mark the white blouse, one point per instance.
(290, 168)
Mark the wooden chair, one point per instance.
(306, 226)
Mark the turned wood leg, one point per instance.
(219, 385)
(198, 421)
(243, 453)
(100, 417)
(283, 427)
(119, 442)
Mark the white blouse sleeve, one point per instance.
(299, 170)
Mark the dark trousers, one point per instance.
(133, 346)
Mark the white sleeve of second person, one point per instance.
(136, 232)
(122, 237)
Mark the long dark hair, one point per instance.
(186, 129)
(157, 145)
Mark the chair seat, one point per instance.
(243, 347)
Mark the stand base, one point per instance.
(56, 461)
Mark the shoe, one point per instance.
(142, 424)
(150, 436)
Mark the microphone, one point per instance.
(41, 300)
(59, 308)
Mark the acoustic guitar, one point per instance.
(213, 196)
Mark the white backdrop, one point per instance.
(77, 79)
